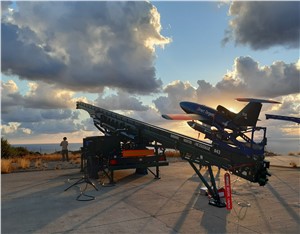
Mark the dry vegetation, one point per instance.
(23, 163)
(293, 164)
(37, 162)
(172, 154)
(269, 153)
(6, 165)
(48, 161)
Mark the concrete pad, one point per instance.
(284, 160)
(35, 202)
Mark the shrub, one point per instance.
(76, 160)
(52, 157)
(21, 151)
(6, 166)
(38, 163)
(23, 163)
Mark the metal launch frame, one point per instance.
(244, 159)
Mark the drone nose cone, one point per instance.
(191, 124)
(188, 107)
(184, 106)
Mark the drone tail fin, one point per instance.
(248, 116)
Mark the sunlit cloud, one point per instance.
(14, 128)
(108, 50)
(275, 80)
(84, 46)
(120, 101)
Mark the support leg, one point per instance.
(110, 175)
(156, 176)
(212, 189)
(215, 201)
(157, 161)
(201, 178)
(157, 172)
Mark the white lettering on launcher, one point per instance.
(174, 137)
(187, 141)
(202, 146)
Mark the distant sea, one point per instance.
(48, 148)
(283, 145)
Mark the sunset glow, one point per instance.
(142, 59)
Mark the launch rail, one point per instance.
(249, 166)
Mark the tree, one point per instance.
(6, 148)
(8, 151)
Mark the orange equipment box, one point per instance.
(137, 153)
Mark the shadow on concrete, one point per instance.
(42, 200)
(294, 215)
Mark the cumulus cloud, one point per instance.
(88, 125)
(33, 121)
(20, 114)
(60, 114)
(249, 77)
(283, 130)
(261, 24)
(120, 101)
(84, 46)
(16, 47)
(6, 9)
(246, 79)
(40, 110)
(290, 106)
(151, 115)
(39, 96)
(25, 115)
(205, 93)
(14, 129)
(176, 92)
(44, 96)
(9, 96)
(52, 126)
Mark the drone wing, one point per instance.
(282, 117)
(257, 100)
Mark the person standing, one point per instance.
(64, 149)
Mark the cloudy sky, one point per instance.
(141, 59)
